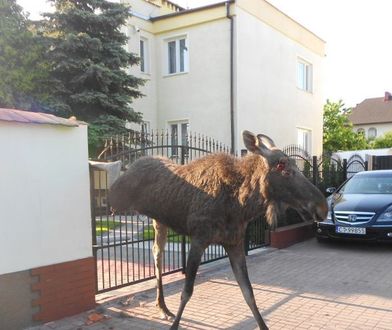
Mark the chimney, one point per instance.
(387, 96)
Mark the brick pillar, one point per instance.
(64, 289)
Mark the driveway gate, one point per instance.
(122, 244)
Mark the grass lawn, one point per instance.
(148, 234)
(103, 226)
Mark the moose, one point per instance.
(212, 200)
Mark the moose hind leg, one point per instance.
(158, 252)
(193, 263)
(238, 264)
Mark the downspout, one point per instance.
(232, 131)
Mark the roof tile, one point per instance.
(372, 111)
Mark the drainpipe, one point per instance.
(232, 131)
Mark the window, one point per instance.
(361, 131)
(144, 63)
(372, 133)
(177, 55)
(304, 139)
(145, 127)
(304, 75)
(179, 136)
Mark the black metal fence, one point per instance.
(326, 171)
(122, 244)
(382, 162)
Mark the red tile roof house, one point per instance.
(373, 116)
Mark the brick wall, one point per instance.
(285, 236)
(64, 289)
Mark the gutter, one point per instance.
(232, 131)
(189, 11)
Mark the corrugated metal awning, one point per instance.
(21, 116)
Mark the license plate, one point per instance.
(351, 230)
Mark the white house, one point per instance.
(373, 116)
(226, 67)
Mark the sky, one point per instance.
(357, 34)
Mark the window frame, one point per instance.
(305, 145)
(180, 65)
(373, 129)
(145, 57)
(181, 139)
(304, 79)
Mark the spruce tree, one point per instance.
(89, 62)
(23, 70)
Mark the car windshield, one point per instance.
(366, 184)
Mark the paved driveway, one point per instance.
(306, 286)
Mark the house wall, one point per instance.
(381, 128)
(268, 100)
(201, 95)
(147, 105)
(202, 92)
(46, 221)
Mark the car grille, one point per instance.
(353, 217)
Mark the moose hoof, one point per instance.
(165, 314)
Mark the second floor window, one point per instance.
(177, 54)
(144, 55)
(304, 75)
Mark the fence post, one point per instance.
(93, 221)
(246, 240)
(344, 169)
(366, 165)
(374, 163)
(183, 253)
(183, 238)
(315, 170)
(244, 152)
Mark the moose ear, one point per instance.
(259, 144)
(266, 141)
(250, 141)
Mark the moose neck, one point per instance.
(253, 191)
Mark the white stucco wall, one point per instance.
(202, 95)
(147, 105)
(268, 100)
(44, 195)
(381, 128)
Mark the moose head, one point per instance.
(284, 185)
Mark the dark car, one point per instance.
(361, 208)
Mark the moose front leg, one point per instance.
(194, 258)
(158, 252)
(238, 264)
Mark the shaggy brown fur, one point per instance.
(212, 200)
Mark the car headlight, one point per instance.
(386, 215)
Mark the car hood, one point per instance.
(360, 202)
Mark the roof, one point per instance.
(372, 111)
(192, 10)
(21, 116)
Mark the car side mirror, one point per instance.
(330, 190)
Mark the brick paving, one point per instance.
(306, 286)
